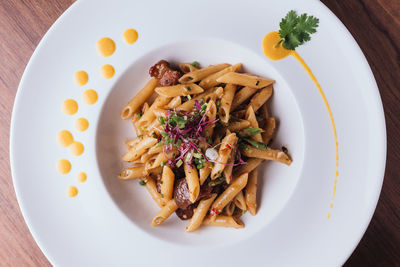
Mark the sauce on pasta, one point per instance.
(277, 52)
(89, 97)
(70, 107)
(63, 166)
(107, 71)
(130, 36)
(81, 124)
(65, 138)
(105, 46)
(81, 77)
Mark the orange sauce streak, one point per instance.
(274, 50)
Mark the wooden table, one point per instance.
(375, 24)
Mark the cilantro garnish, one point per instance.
(295, 30)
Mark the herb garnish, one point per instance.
(195, 64)
(256, 144)
(295, 30)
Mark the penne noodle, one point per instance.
(211, 111)
(223, 220)
(225, 150)
(158, 159)
(269, 129)
(167, 184)
(149, 116)
(187, 67)
(252, 163)
(235, 126)
(132, 173)
(251, 192)
(211, 81)
(156, 150)
(138, 149)
(200, 74)
(199, 213)
(240, 201)
(159, 112)
(179, 90)
(229, 167)
(251, 117)
(175, 102)
(276, 155)
(237, 185)
(204, 172)
(141, 97)
(146, 157)
(152, 189)
(230, 208)
(226, 102)
(261, 97)
(241, 96)
(192, 179)
(164, 213)
(154, 127)
(245, 80)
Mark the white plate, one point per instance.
(107, 223)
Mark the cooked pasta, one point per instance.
(200, 141)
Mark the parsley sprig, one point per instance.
(295, 30)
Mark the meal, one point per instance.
(200, 141)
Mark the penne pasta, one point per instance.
(167, 184)
(224, 221)
(237, 185)
(141, 97)
(191, 132)
(179, 90)
(149, 116)
(199, 213)
(226, 102)
(230, 208)
(211, 112)
(245, 80)
(187, 67)
(235, 126)
(192, 179)
(272, 154)
(200, 74)
(260, 97)
(252, 163)
(132, 173)
(251, 192)
(251, 117)
(239, 201)
(228, 143)
(164, 213)
(211, 80)
(152, 189)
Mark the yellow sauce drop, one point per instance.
(70, 107)
(76, 148)
(107, 71)
(275, 52)
(272, 49)
(63, 166)
(130, 36)
(81, 124)
(329, 215)
(81, 177)
(81, 77)
(105, 47)
(65, 138)
(331, 206)
(72, 191)
(89, 96)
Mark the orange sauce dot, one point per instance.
(107, 71)
(81, 77)
(130, 36)
(81, 124)
(63, 166)
(105, 46)
(64, 138)
(72, 191)
(70, 107)
(89, 97)
(76, 148)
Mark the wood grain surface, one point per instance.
(375, 24)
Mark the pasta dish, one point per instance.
(201, 134)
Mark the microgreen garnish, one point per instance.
(139, 114)
(256, 144)
(295, 30)
(195, 64)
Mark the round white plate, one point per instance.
(108, 222)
